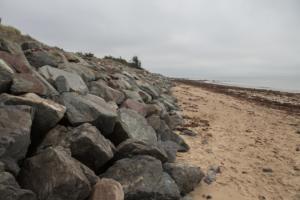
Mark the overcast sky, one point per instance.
(195, 38)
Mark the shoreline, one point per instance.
(281, 100)
(255, 147)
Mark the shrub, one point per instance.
(135, 62)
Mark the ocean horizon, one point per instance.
(284, 84)
(287, 82)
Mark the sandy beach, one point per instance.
(253, 136)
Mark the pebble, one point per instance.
(211, 174)
(260, 197)
(267, 170)
(207, 196)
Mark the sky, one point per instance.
(184, 38)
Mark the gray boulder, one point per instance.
(47, 113)
(173, 120)
(147, 98)
(149, 89)
(133, 125)
(54, 175)
(73, 80)
(101, 89)
(90, 147)
(134, 95)
(10, 189)
(169, 102)
(39, 58)
(62, 84)
(187, 177)
(57, 136)
(142, 177)
(166, 134)
(15, 128)
(131, 147)
(86, 143)
(170, 148)
(84, 71)
(92, 109)
(120, 84)
(30, 45)
(141, 108)
(154, 121)
(107, 189)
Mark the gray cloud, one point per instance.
(195, 38)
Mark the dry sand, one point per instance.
(243, 138)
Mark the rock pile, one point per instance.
(76, 127)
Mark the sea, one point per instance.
(285, 83)
(280, 82)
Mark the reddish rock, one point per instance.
(107, 189)
(136, 106)
(154, 109)
(27, 83)
(17, 62)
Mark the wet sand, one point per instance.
(257, 146)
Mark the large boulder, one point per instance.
(6, 74)
(84, 71)
(27, 83)
(15, 128)
(47, 113)
(174, 119)
(40, 57)
(72, 57)
(51, 91)
(8, 46)
(92, 109)
(148, 89)
(141, 108)
(90, 147)
(134, 95)
(4, 67)
(154, 121)
(187, 177)
(142, 177)
(131, 147)
(54, 174)
(166, 134)
(170, 148)
(16, 61)
(86, 143)
(62, 84)
(107, 189)
(73, 80)
(133, 125)
(10, 189)
(30, 45)
(169, 102)
(147, 98)
(101, 89)
(57, 136)
(120, 83)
